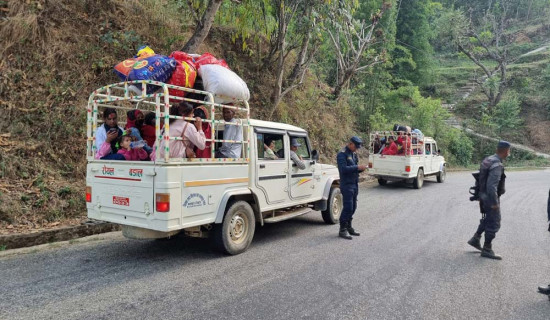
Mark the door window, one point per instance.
(303, 148)
(270, 146)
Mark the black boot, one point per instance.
(475, 242)
(344, 231)
(545, 290)
(351, 230)
(487, 252)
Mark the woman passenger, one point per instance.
(192, 134)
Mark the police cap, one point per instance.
(357, 141)
(503, 144)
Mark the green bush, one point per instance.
(460, 146)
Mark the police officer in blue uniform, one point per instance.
(349, 169)
(546, 289)
(491, 187)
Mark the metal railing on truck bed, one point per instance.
(413, 143)
(158, 97)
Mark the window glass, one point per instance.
(270, 146)
(303, 148)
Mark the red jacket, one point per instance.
(207, 152)
(391, 150)
(148, 134)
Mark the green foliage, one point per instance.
(414, 35)
(505, 116)
(460, 147)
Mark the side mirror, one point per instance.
(438, 151)
(315, 155)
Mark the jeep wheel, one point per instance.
(382, 182)
(334, 206)
(442, 175)
(419, 180)
(234, 234)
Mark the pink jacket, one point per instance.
(133, 154)
(191, 137)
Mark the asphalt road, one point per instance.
(411, 262)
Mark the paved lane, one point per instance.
(411, 262)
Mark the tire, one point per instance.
(419, 180)
(442, 175)
(234, 234)
(334, 206)
(382, 182)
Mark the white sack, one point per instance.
(224, 83)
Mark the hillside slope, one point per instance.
(56, 52)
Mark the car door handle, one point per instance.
(262, 166)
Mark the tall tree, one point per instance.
(284, 42)
(482, 44)
(203, 24)
(413, 39)
(352, 41)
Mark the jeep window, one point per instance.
(303, 149)
(272, 141)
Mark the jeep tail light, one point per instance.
(407, 168)
(88, 194)
(162, 201)
(370, 164)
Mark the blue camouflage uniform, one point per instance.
(491, 187)
(349, 179)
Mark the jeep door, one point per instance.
(272, 164)
(301, 181)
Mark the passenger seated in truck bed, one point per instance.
(129, 153)
(391, 149)
(191, 133)
(106, 136)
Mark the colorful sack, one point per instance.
(225, 84)
(155, 68)
(184, 75)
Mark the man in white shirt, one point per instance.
(231, 133)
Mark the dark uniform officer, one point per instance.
(491, 187)
(349, 169)
(546, 290)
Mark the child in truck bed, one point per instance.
(129, 153)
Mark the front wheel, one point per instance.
(419, 180)
(442, 175)
(334, 206)
(382, 182)
(234, 234)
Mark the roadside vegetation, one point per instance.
(332, 67)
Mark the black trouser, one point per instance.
(489, 223)
(349, 195)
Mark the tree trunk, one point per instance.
(202, 30)
(347, 74)
(301, 60)
(281, 38)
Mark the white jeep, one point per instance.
(420, 158)
(205, 197)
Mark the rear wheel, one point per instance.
(382, 182)
(334, 206)
(419, 180)
(442, 175)
(234, 234)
